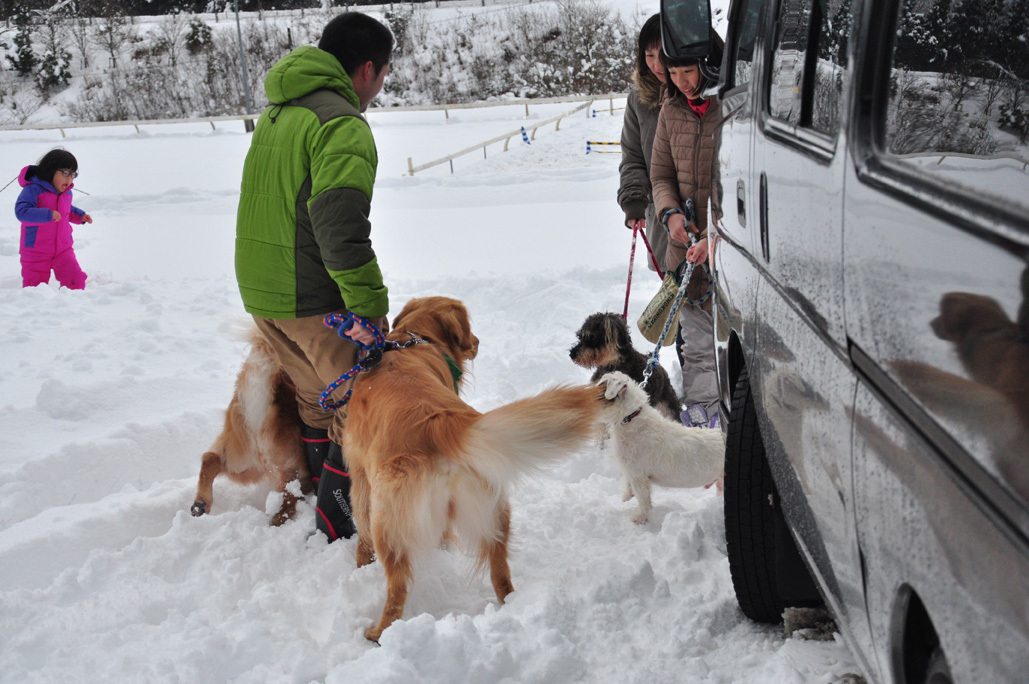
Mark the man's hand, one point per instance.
(358, 333)
(636, 224)
(56, 216)
(382, 323)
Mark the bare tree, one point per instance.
(111, 31)
(17, 104)
(79, 31)
(959, 83)
(170, 34)
(991, 89)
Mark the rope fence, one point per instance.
(506, 137)
(248, 119)
(590, 143)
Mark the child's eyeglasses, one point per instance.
(68, 173)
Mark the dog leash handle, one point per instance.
(344, 323)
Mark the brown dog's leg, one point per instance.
(496, 551)
(398, 576)
(361, 506)
(210, 467)
(289, 502)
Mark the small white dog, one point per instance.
(653, 449)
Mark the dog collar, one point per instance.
(628, 418)
(455, 372)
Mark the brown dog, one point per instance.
(261, 437)
(990, 345)
(423, 463)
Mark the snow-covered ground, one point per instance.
(108, 396)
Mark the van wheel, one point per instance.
(750, 511)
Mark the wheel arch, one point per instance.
(913, 638)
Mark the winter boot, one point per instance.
(694, 416)
(316, 446)
(333, 515)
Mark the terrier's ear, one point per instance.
(616, 388)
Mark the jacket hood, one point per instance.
(305, 70)
(28, 176)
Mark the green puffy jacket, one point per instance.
(302, 230)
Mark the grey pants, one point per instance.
(699, 378)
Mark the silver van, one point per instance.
(871, 258)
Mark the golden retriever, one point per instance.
(260, 441)
(989, 344)
(424, 464)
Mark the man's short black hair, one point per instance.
(354, 38)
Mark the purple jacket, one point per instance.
(34, 208)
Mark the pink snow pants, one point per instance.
(36, 267)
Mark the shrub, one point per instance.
(198, 36)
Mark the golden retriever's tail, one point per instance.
(512, 441)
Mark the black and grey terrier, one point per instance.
(605, 344)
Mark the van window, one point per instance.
(787, 81)
(746, 33)
(958, 101)
(835, 18)
(809, 63)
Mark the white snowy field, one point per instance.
(108, 396)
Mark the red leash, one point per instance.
(632, 258)
(628, 283)
(653, 259)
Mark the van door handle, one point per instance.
(741, 203)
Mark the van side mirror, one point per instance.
(686, 33)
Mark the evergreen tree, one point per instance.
(54, 69)
(973, 27)
(1014, 41)
(55, 65)
(24, 59)
(198, 36)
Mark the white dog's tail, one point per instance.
(514, 440)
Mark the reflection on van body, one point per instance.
(871, 256)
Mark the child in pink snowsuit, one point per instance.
(46, 213)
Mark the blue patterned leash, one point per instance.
(370, 354)
(687, 274)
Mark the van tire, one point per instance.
(750, 511)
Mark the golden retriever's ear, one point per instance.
(964, 313)
(458, 328)
(400, 316)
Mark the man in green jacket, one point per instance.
(302, 231)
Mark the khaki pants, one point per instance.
(314, 356)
